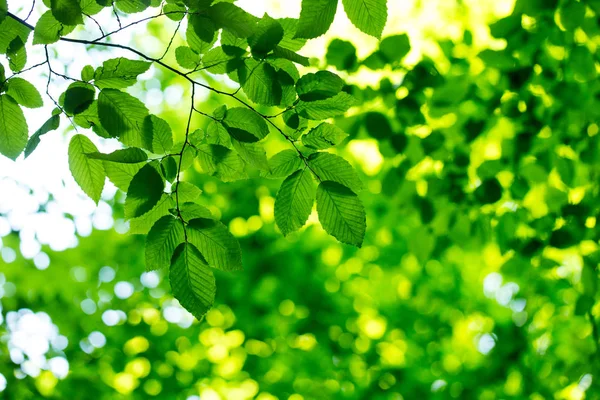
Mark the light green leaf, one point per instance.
(253, 153)
(87, 73)
(283, 164)
(144, 192)
(328, 108)
(341, 213)
(191, 211)
(316, 17)
(192, 281)
(324, 136)
(164, 237)
(121, 174)
(221, 162)
(267, 35)
(216, 243)
(394, 48)
(245, 125)
(132, 6)
(13, 128)
(48, 29)
(17, 55)
(290, 55)
(319, 86)
(196, 43)
(122, 115)
(3, 10)
(289, 42)
(259, 82)
(24, 93)
(330, 167)
(369, 16)
(216, 61)
(294, 201)
(50, 125)
(157, 135)
(89, 174)
(186, 57)
(187, 192)
(142, 225)
(216, 133)
(233, 19)
(67, 12)
(132, 155)
(9, 30)
(119, 73)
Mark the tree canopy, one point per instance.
(412, 214)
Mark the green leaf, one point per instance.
(330, 167)
(142, 225)
(132, 155)
(289, 42)
(144, 192)
(24, 93)
(253, 153)
(204, 27)
(319, 86)
(490, 191)
(50, 125)
(9, 30)
(342, 55)
(233, 19)
(216, 243)
(245, 125)
(90, 7)
(78, 97)
(89, 174)
(157, 135)
(186, 57)
(87, 73)
(164, 237)
(189, 211)
(369, 16)
(169, 168)
(290, 55)
(132, 6)
(48, 29)
(259, 82)
(67, 12)
(3, 10)
(221, 162)
(216, 133)
(341, 213)
(119, 73)
(192, 282)
(267, 35)
(328, 108)
(394, 48)
(324, 136)
(187, 192)
(294, 201)
(122, 115)
(196, 43)
(216, 61)
(175, 12)
(316, 17)
(121, 174)
(378, 125)
(283, 164)
(17, 55)
(13, 128)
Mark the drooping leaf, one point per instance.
(89, 174)
(24, 93)
(192, 281)
(122, 115)
(283, 164)
(220, 248)
(13, 128)
(67, 12)
(144, 192)
(328, 108)
(330, 167)
(319, 86)
(17, 55)
(164, 237)
(245, 125)
(48, 29)
(341, 213)
(51, 124)
(132, 155)
(324, 136)
(119, 73)
(369, 16)
(316, 17)
(294, 201)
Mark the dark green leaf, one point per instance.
(78, 97)
(123, 116)
(294, 201)
(164, 237)
(245, 125)
(67, 12)
(319, 86)
(131, 155)
(17, 56)
(267, 35)
(330, 167)
(145, 190)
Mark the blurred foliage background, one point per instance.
(477, 138)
